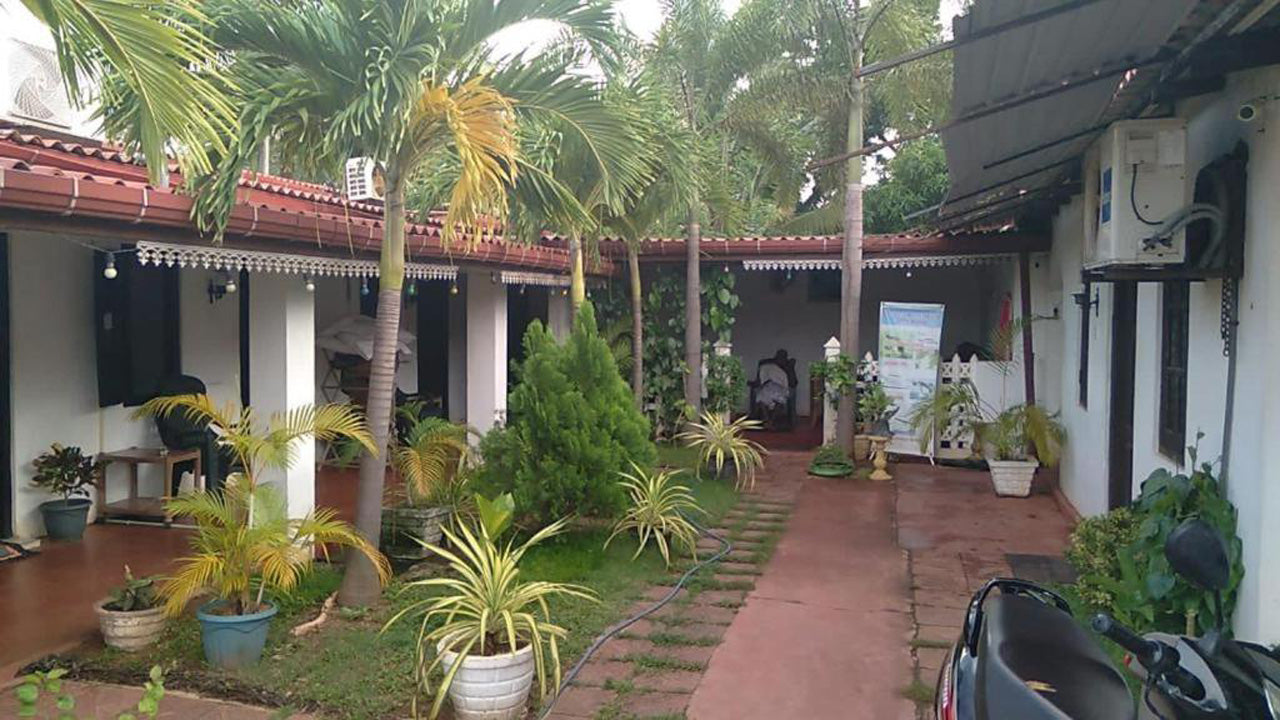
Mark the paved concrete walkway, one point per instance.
(824, 633)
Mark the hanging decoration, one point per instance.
(234, 259)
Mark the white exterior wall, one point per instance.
(210, 337)
(1254, 474)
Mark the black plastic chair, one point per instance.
(178, 432)
(783, 418)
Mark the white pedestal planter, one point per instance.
(1012, 478)
(493, 687)
(129, 630)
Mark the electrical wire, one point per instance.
(1133, 196)
(725, 548)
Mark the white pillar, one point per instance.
(558, 313)
(830, 351)
(486, 351)
(282, 362)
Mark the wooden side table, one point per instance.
(151, 507)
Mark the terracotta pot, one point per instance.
(1012, 478)
(490, 687)
(132, 630)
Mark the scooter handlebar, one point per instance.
(1157, 657)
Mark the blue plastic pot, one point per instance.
(234, 641)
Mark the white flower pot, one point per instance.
(490, 687)
(129, 630)
(1012, 478)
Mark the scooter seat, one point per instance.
(1036, 663)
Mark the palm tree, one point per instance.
(415, 85)
(819, 48)
(160, 84)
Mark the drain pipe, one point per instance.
(725, 548)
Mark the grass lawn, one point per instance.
(677, 456)
(352, 670)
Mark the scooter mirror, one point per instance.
(1196, 552)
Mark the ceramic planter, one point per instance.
(65, 519)
(1012, 478)
(132, 630)
(490, 687)
(234, 641)
(861, 447)
(404, 526)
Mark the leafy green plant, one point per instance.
(719, 302)
(831, 457)
(1095, 549)
(49, 684)
(664, 363)
(65, 470)
(839, 376)
(719, 442)
(660, 509)
(495, 515)
(572, 426)
(483, 608)
(244, 538)
(949, 402)
(874, 405)
(134, 594)
(1022, 428)
(726, 383)
(430, 459)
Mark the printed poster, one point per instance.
(910, 340)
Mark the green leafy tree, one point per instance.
(415, 85)
(915, 179)
(571, 429)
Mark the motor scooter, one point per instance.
(1021, 655)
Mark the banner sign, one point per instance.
(910, 336)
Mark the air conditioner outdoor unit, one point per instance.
(1136, 195)
(34, 92)
(364, 179)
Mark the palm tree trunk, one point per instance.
(577, 279)
(360, 583)
(693, 312)
(851, 257)
(637, 324)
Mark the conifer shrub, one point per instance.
(572, 427)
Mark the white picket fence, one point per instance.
(999, 385)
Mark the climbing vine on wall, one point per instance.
(664, 365)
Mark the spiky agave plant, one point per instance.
(486, 609)
(245, 542)
(660, 509)
(719, 442)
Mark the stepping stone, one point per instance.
(654, 704)
(702, 631)
(598, 672)
(659, 592)
(731, 567)
(700, 654)
(706, 614)
(721, 597)
(582, 702)
(668, 681)
(622, 648)
(749, 535)
(735, 578)
(742, 556)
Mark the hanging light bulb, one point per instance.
(109, 272)
(453, 289)
(364, 286)
(231, 284)
(908, 273)
(413, 288)
(309, 283)
(522, 288)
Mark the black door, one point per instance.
(1124, 326)
(6, 434)
(433, 344)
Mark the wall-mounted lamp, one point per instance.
(1084, 302)
(453, 289)
(109, 272)
(220, 285)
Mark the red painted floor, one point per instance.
(823, 635)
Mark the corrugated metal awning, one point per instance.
(1095, 51)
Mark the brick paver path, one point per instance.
(654, 667)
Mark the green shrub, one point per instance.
(572, 428)
(1096, 546)
(726, 383)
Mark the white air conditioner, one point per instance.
(1136, 197)
(364, 179)
(34, 92)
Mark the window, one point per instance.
(137, 330)
(1082, 379)
(1175, 322)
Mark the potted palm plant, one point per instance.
(490, 632)
(246, 546)
(66, 471)
(1011, 439)
(720, 443)
(131, 618)
(430, 460)
(954, 407)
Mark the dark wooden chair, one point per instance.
(777, 417)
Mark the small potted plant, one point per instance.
(494, 630)
(830, 461)
(874, 410)
(1012, 438)
(65, 471)
(430, 461)
(246, 545)
(131, 618)
(720, 443)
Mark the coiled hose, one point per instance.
(726, 547)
